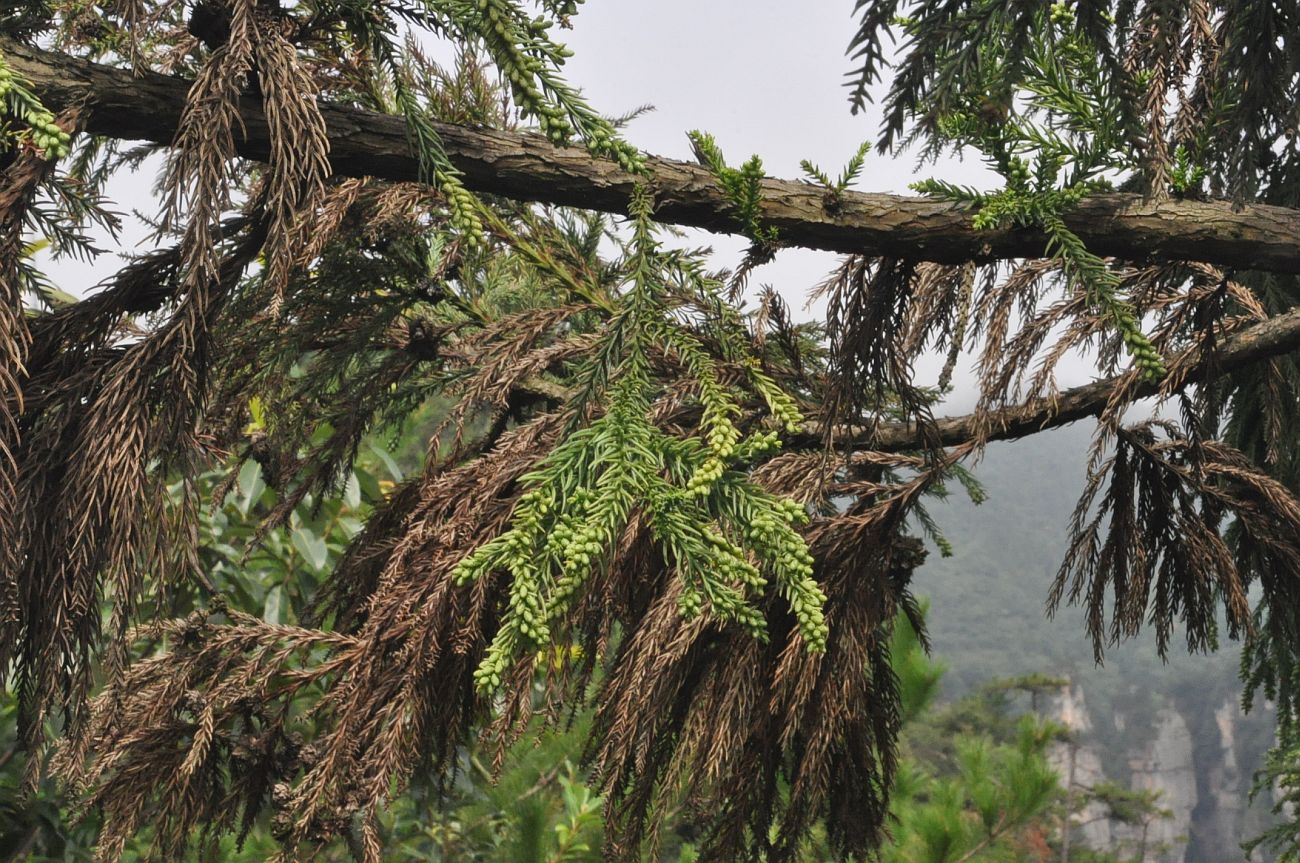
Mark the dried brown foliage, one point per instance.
(103, 422)
(17, 184)
(1147, 531)
(687, 714)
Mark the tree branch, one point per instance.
(527, 167)
(1262, 341)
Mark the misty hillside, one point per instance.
(987, 620)
(988, 616)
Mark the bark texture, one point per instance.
(527, 167)
(1270, 338)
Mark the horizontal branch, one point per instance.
(1262, 341)
(523, 166)
(527, 167)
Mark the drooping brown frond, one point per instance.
(996, 306)
(723, 724)
(197, 181)
(754, 742)
(299, 150)
(17, 184)
(395, 693)
(103, 422)
(502, 357)
(1155, 48)
(199, 736)
(867, 316)
(1146, 537)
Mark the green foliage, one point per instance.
(39, 129)
(33, 826)
(1128, 806)
(276, 574)
(1186, 175)
(528, 60)
(742, 186)
(975, 783)
(706, 515)
(436, 169)
(836, 188)
(1035, 684)
(537, 809)
(1136, 808)
(1280, 778)
(1059, 136)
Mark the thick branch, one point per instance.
(528, 168)
(1254, 344)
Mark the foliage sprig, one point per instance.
(18, 102)
(1186, 174)
(1019, 206)
(721, 534)
(528, 59)
(836, 188)
(742, 186)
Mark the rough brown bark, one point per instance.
(527, 167)
(1276, 336)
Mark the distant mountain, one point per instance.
(987, 620)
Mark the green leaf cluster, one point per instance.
(742, 186)
(974, 781)
(39, 129)
(528, 60)
(721, 534)
(1186, 175)
(837, 187)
